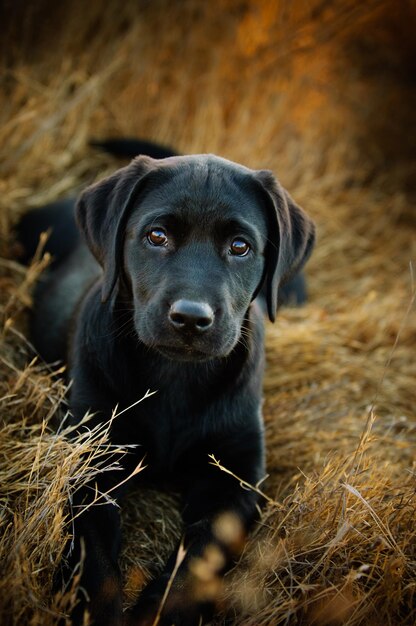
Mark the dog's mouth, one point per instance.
(184, 353)
(192, 348)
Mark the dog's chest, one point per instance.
(169, 428)
(176, 428)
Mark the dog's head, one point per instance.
(192, 239)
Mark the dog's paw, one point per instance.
(179, 607)
(175, 617)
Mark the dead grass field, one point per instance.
(324, 94)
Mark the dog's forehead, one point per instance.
(205, 185)
(201, 165)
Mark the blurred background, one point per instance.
(324, 94)
(318, 89)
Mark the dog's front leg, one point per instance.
(92, 558)
(218, 512)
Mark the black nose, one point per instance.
(189, 316)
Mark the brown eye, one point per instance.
(157, 237)
(239, 247)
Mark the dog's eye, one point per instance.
(157, 237)
(239, 247)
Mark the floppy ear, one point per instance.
(102, 212)
(291, 236)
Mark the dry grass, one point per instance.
(324, 94)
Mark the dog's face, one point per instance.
(193, 238)
(194, 256)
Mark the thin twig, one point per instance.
(179, 559)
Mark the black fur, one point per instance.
(182, 319)
(130, 148)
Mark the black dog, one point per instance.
(181, 247)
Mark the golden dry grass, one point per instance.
(324, 94)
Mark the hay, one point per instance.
(322, 93)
